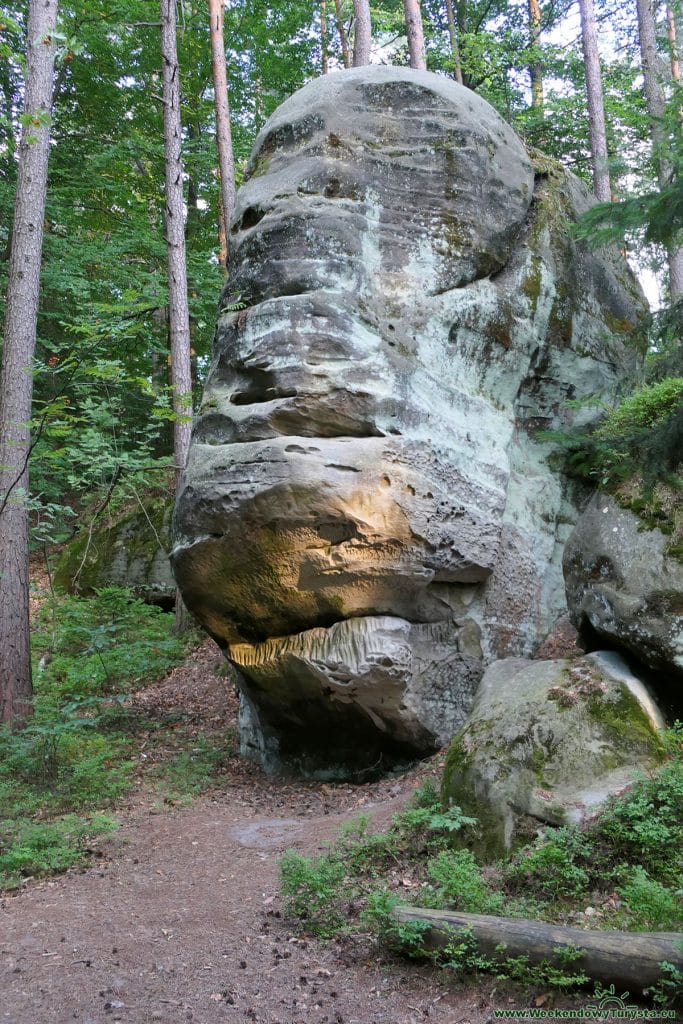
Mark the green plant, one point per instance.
(43, 848)
(406, 937)
(313, 892)
(550, 869)
(651, 905)
(193, 770)
(461, 884)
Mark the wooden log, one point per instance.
(628, 960)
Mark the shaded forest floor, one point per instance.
(177, 915)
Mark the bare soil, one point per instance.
(178, 916)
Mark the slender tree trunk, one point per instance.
(362, 33)
(656, 105)
(416, 39)
(673, 43)
(16, 381)
(346, 52)
(324, 63)
(535, 66)
(226, 160)
(455, 46)
(596, 107)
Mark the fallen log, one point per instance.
(629, 960)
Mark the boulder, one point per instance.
(548, 742)
(405, 309)
(130, 550)
(624, 587)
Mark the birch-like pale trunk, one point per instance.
(178, 312)
(226, 160)
(653, 87)
(346, 52)
(416, 40)
(595, 101)
(455, 45)
(535, 66)
(16, 379)
(324, 62)
(362, 33)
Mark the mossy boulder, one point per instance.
(129, 550)
(547, 742)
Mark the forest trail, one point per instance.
(177, 919)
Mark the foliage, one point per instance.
(626, 860)
(43, 848)
(76, 752)
(195, 769)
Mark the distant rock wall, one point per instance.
(368, 517)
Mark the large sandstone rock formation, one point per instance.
(548, 741)
(367, 518)
(625, 588)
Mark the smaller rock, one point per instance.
(548, 741)
(624, 585)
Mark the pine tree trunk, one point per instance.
(596, 107)
(656, 105)
(16, 381)
(362, 34)
(346, 53)
(416, 39)
(324, 63)
(455, 46)
(226, 161)
(535, 66)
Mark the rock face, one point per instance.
(548, 741)
(364, 461)
(130, 552)
(624, 587)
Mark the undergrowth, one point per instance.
(79, 752)
(625, 861)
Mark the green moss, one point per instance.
(625, 721)
(531, 285)
(458, 762)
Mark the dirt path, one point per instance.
(179, 921)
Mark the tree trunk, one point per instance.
(346, 53)
(16, 381)
(673, 43)
(178, 313)
(324, 63)
(416, 39)
(455, 46)
(656, 105)
(628, 960)
(535, 66)
(362, 33)
(226, 161)
(596, 107)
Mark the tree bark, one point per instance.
(596, 106)
(362, 33)
(535, 66)
(653, 87)
(226, 160)
(455, 46)
(673, 43)
(324, 63)
(16, 381)
(416, 39)
(346, 53)
(628, 960)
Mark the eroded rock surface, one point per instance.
(364, 460)
(624, 587)
(549, 741)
